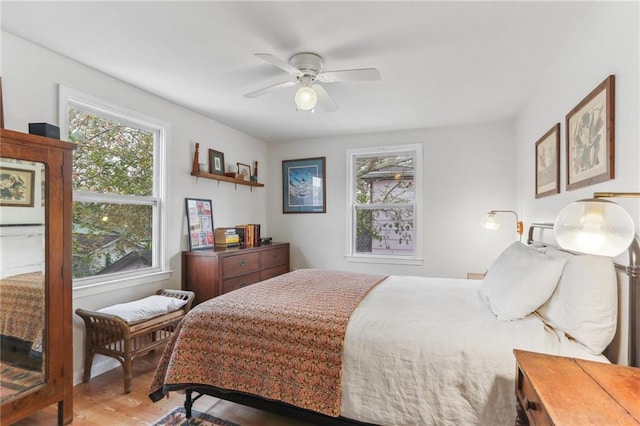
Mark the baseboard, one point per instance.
(101, 364)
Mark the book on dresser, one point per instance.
(226, 237)
(250, 234)
(210, 273)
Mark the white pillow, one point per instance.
(519, 281)
(143, 309)
(585, 303)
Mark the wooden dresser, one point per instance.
(554, 390)
(210, 273)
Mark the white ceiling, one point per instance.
(442, 63)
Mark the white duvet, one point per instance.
(429, 351)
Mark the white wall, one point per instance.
(30, 79)
(468, 170)
(606, 43)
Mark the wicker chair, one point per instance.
(111, 336)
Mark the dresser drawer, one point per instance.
(275, 257)
(530, 402)
(239, 282)
(273, 272)
(240, 264)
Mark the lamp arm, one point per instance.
(519, 224)
(616, 194)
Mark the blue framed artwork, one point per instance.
(303, 186)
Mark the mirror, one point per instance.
(22, 273)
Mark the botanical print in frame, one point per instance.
(590, 137)
(200, 224)
(244, 170)
(303, 186)
(16, 187)
(548, 163)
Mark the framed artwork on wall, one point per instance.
(17, 187)
(303, 186)
(200, 224)
(590, 137)
(548, 163)
(216, 162)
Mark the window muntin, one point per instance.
(384, 203)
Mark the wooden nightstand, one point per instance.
(554, 390)
(476, 275)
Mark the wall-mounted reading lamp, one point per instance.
(602, 227)
(490, 221)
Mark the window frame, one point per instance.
(351, 254)
(70, 98)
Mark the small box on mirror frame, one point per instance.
(44, 129)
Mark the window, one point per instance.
(117, 189)
(385, 204)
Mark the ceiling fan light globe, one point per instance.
(306, 98)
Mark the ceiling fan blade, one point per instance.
(325, 101)
(266, 90)
(269, 58)
(361, 74)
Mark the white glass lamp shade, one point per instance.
(306, 98)
(594, 226)
(490, 222)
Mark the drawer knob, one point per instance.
(242, 263)
(529, 405)
(243, 284)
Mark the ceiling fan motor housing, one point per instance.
(309, 64)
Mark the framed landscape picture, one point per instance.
(303, 186)
(590, 137)
(548, 163)
(200, 224)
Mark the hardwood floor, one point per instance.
(102, 402)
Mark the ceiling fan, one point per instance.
(307, 69)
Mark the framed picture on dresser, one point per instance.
(200, 224)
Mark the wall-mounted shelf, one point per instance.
(226, 179)
(195, 171)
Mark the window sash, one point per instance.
(353, 155)
(70, 98)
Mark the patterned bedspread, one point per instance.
(280, 339)
(22, 313)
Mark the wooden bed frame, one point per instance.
(272, 406)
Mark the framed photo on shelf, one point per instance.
(303, 186)
(244, 170)
(200, 224)
(548, 163)
(17, 187)
(216, 162)
(590, 137)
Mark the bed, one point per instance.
(413, 350)
(22, 313)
